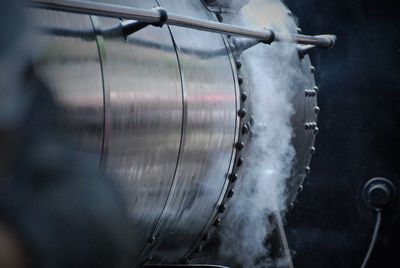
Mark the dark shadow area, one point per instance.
(359, 81)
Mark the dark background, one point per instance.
(359, 81)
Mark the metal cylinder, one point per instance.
(162, 110)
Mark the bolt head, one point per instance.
(243, 95)
(231, 193)
(239, 145)
(307, 170)
(242, 112)
(245, 129)
(151, 239)
(206, 237)
(233, 177)
(240, 161)
(221, 208)
(313, 93)
(217, 222)
(238, 64)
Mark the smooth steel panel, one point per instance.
(68, 61)
(144, 106)
(208, 137)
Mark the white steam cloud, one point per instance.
(260, 191)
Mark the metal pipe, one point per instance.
(217, 27)
(155, 16)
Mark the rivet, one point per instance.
(219, 17)
(240, 79)
(306, 93)
(289, 13)
(316, 88)
(239, 145)
(313, 93)
(149, 258)
(307, 126)
(151, 239)
(243, 95)
(230, 193)
(312, 150)
(221, 208)
(316, 130)
(233, 177)
(245, 129)
(238, 64)
(299, 30)
(312, 69)
(240, 161)
(313, 125)
(301, 188)
(217, 222)
(291, 206)
(242, 112)
(316, 109)
(206, 237)
(307, 170)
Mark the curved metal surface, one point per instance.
(302, 83)
(305, 105)
(144, 88)
(64, 62)
(209, 134)
(168, 122)
(299, 78)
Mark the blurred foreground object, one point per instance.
(56, 208)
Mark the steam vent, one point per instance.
(180, 133)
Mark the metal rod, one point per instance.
(276, 218)
(155, 16)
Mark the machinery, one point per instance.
(167, 96)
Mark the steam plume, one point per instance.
(269, 77)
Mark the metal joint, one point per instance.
(163, 17)
(271, 37)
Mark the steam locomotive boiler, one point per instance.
(169, 96)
